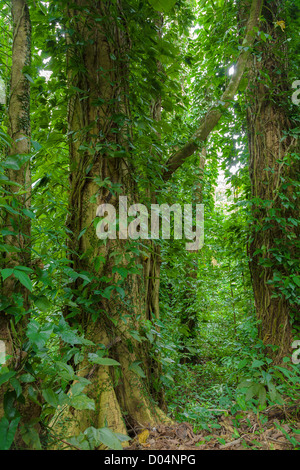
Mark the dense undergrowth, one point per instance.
(226, 369)
(231, 377)
(212, 364)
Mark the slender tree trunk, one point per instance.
(14, 318)
(268, 122)
(16, 222)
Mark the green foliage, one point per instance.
(206, 339)
(92, 438)
(162, 5)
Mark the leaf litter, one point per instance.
(276, 428)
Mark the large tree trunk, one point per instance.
(16, 222)
(100, 148)
(271, 240)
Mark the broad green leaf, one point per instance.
(9, 405)
(103, 361)
(17, 386)
(12, 162)
(105, 436)
(107, 292)
(43, 303)
(82, 402)
(92, 434)
(7, 432)
(51, 397)
(122, 271)
(39, 334)
(109, 439)
(257, 363)
(29, 78)
(137, 369)
(6, 376)
(65, 371)
(29, 213)
(5, 273)
(262, 396)
(27, 378)
(80, 442)
(31, 437)
(162, 5)
(23, 278)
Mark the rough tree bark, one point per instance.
(268, 122)
(98, 119)
(16, 222)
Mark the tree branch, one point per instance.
(214, 114)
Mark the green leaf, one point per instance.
(162, 5)
(92, 435)
(36, 145)
(103, 361)
(69, 336)
(39, 334)
(7, 432)
(24, 268)
(107, 292)
(31, 437)
(242, 363)
(109, 439)
(6, 376)
(296, 280)
(17, 386)
(82, 233)
(137, 369)
(80, 442)
(250, 393)
(82, 402)
(51, 397)
(122, 271)
(122, 437)
(8, 405)
(5, 273)
(12, 162)
(65, 371)
(136, 335)
(29, 213)
(272, 391)
(105, 436)
(27, 378)
(43, 303)
(6, 138)
(245, 384)
(262, 396)
(257, 363)
(23, 278)
(29, 78)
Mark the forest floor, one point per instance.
(276, 428)
(208, 409)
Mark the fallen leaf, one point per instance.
(281, 23)
(143, 436)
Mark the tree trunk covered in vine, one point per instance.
(17, 223)
(272, 168)
(100, 137)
